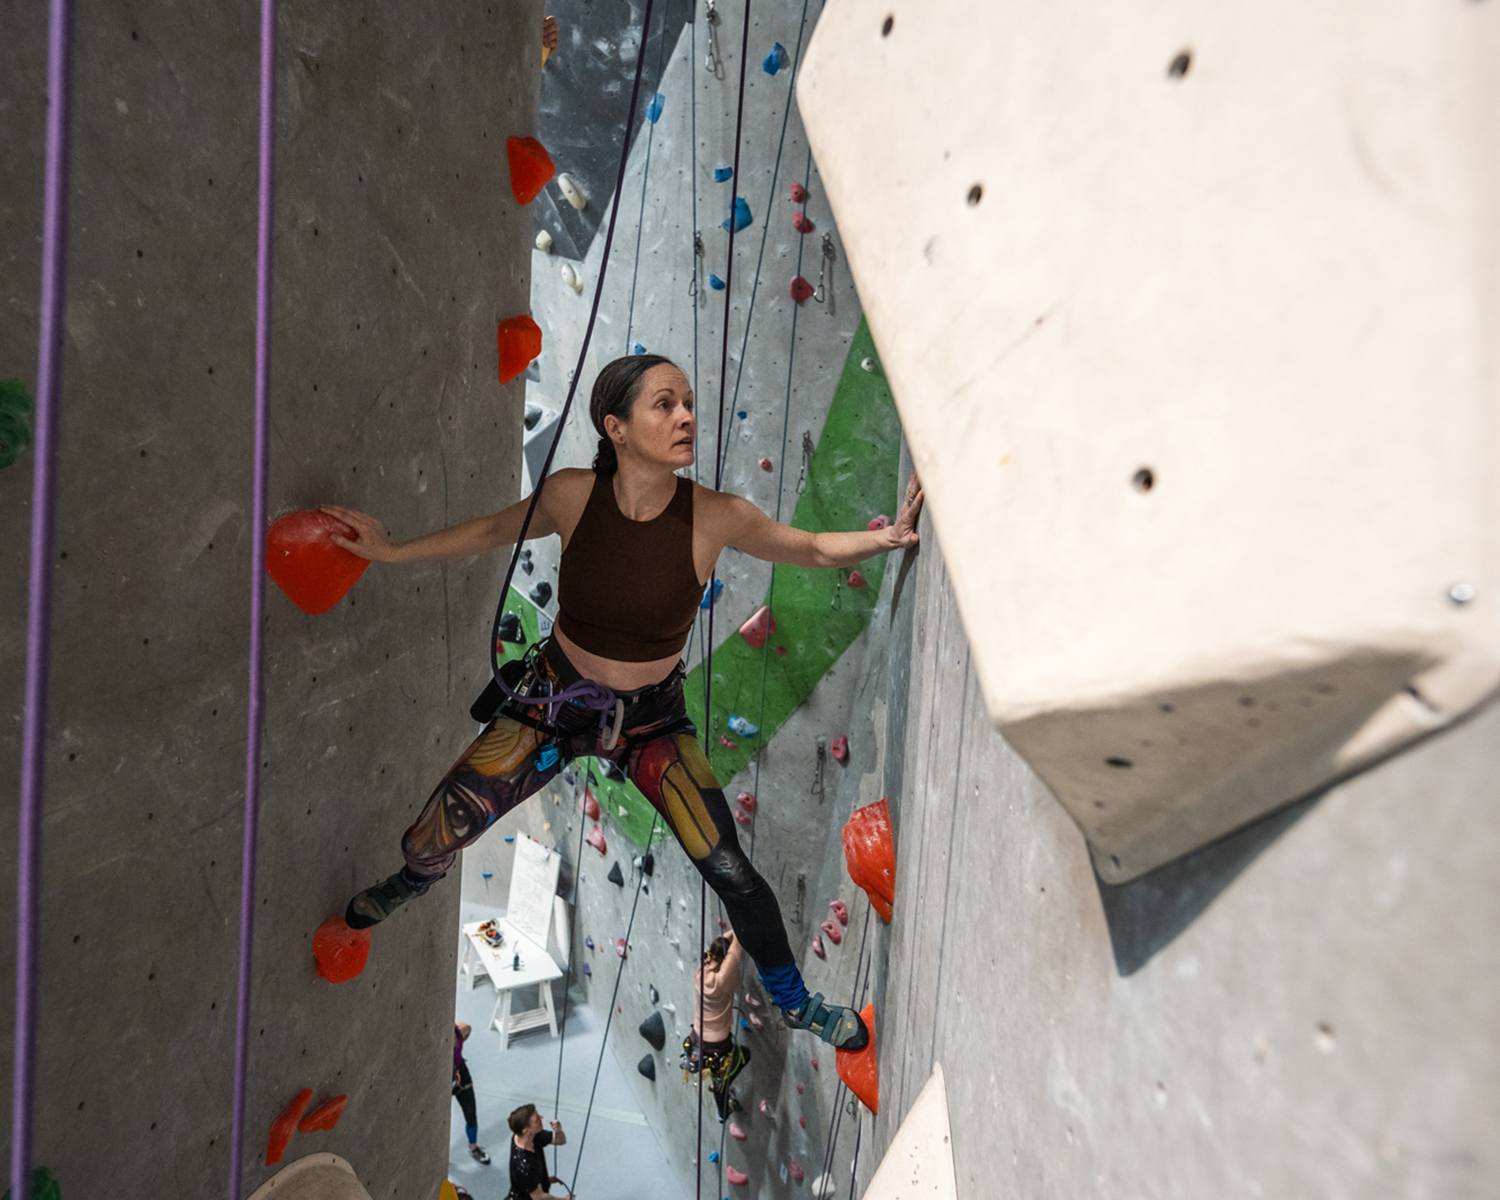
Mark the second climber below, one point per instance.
(639, 543)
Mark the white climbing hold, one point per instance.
(919, 1160)
(544, 244)
(823, 1186)
(571, 191)
(570, 277)
(867, 364)
(624, 812)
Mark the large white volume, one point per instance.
(919, 1163)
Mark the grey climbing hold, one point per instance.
(615, 876)
(647, 1067)
(541, 594)
(655, 995)
(654, 1030)
(510, 629)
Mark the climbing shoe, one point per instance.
(839, 1027)
(375, 904)
(478, 1155)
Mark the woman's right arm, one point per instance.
(465, 539)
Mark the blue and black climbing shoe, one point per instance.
(375, 904)
(840, 1027)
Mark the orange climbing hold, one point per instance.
(285, 1125)
(530, 168)
(520, 341)
(858, 1069)
(305, 564)
(340, 952)
(325, 1116)
(870, 853)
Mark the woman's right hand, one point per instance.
(369, 535)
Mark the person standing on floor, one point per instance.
(463, 1092)
(528, 1165)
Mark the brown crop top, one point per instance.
(628, 590)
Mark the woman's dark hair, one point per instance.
(716, 951)
(615, 391)
(522, 1118)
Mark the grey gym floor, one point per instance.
(622, 1158)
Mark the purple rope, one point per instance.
(39, 611)
(257, 583)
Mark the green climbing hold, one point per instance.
(43, 1185)
(15, 420)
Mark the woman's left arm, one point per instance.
(748, 529)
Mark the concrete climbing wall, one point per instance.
(397, 249)
(829, 682)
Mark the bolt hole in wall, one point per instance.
(887, 25)
(1180, 65)
(976, 193)
(1144, 479)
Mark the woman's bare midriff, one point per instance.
(621, 676)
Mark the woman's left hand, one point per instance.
(904, 531)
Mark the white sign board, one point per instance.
(533, 883)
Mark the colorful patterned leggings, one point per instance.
(658, 750)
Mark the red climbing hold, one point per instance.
(285, 1125)
(302, 561)
(880, 522)
(519, 340)
(817, 947)
(727, 744)
(589, 807)
(856, 579)
(831, 928)
(339, 951)
(746, 800)
(620, 947)
(802, 290)
(737, 1178)
(743, 817)
(800, 222)
(736, 1132)
(792, 1168)
(857, 1068)
(759, 627)
(815, 1064)
(596, 840)
(840, 910)
(870, 854)
(840, 750)
(780, 651)
(799, 193)
(766, 465)
(530, 168)
(799, 1089)
(325, 1116)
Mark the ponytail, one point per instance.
(615, 390)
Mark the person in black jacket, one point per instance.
(528, 1165)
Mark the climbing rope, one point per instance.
(257, 583)
(562, 1036)
(640, 221)
(39, 597)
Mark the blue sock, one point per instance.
(473, 1132)
(785, 986)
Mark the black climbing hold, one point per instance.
(655, 995)
(533, 415)
(510, 628)
(612, 770)
(527, 566)
(648, 864)
(615, 877)
(647, 1067)
(654, 1030)
(541, 594)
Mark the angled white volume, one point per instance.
(919, 1163)
(1190, 312)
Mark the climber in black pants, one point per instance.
(463, 1092)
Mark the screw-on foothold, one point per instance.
(1462, 593)
(867, 364)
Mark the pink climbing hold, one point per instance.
(802, 1121)
(589, 806)
(765, 1110)
(800, 222)
(755, 1022)
(596, 840)
(780, 651)
(815, 1064)
(736, 1132)
(723, 924)
(856, 579)
(831, 928)
(840, 750)
(766, 465)
(738, 1178)
(792, 1168)
(620, 947)
(743, 817)
(880, 522)
(799, 1089)
(817, 947)
(802, 290)
(759, 627)
(746, 800)
(727, 744)
(799, 193)
(751, 1000)
(840, 910)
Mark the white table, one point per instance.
(537, 970)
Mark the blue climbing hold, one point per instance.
(742, 414)
(589, 941)
(653, 110)
(716, 283)
(775, 60)
(546, 759)
(491, 874)
(742, 217)
(718, 586)
(588, 970)
(739, 725)
(744, 1024)
(713, 1156)
(637, 348)
(723, 174)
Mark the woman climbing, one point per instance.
(639, 542)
